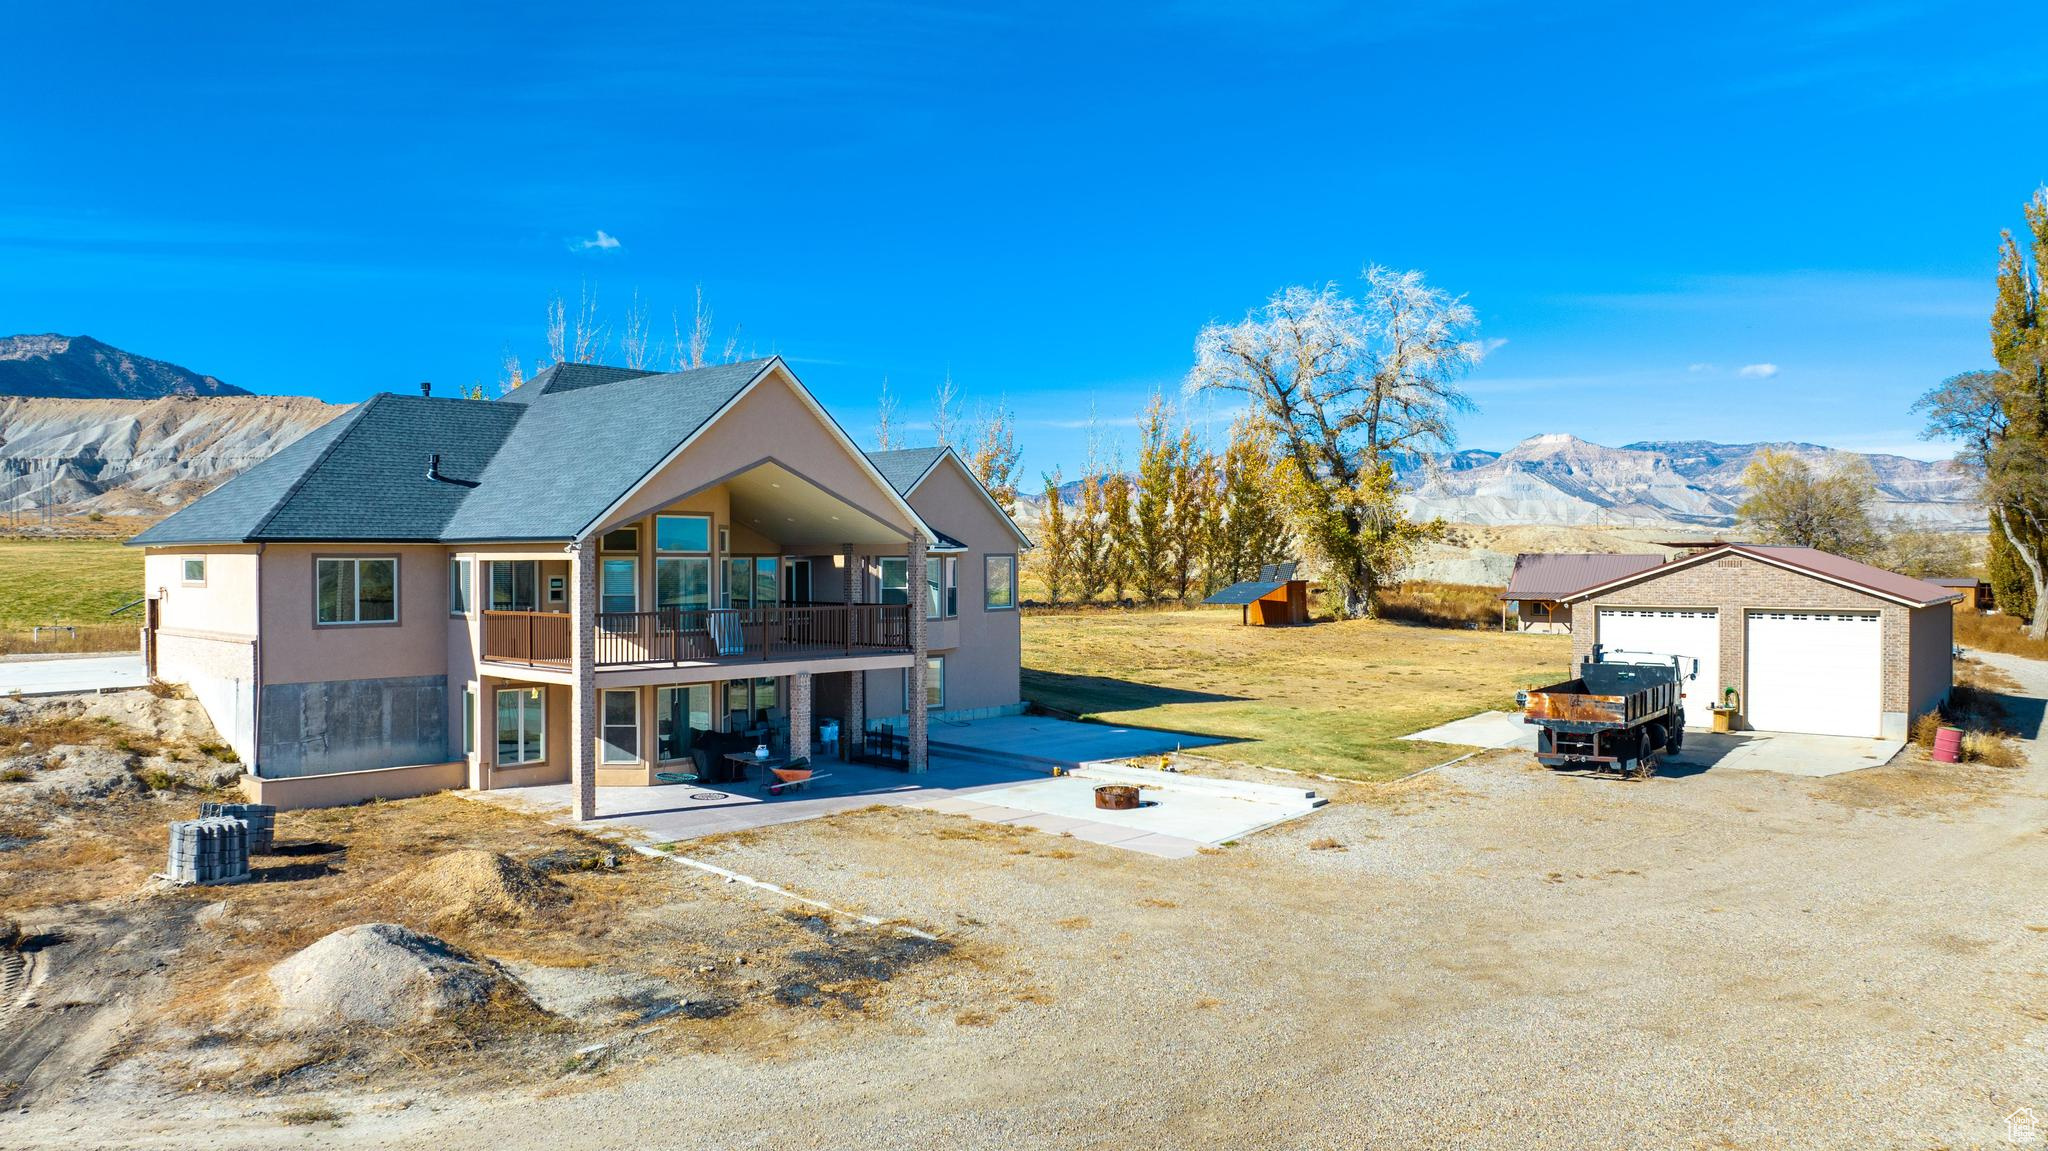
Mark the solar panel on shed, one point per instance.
(1244, 593)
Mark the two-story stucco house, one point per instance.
(577, 581)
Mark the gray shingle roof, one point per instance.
(615, 435)
(363, 476)
(903, 466)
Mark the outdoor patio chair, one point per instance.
(727, 637)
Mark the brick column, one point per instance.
(856, 719)
(914, 685)
(583, 658)
(800, 715)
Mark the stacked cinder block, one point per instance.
(261, 818)
(214, 850)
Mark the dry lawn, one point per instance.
(2000, 633)
(1330, 698)
(640, 954)
(71, 582)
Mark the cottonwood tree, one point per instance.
(638, 337)
(1246, 528)
(1830, 508)
(1118, 526)
(946, 411)
(992, 453)
(2000, 418)
(691, 349)
(1194, 491)
(1345, 385)
(1092, 558)
(1922, 553)
(1148, 540)
(886, 408)
(1055, 558)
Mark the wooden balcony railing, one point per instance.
(715, 635)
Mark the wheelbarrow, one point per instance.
(795, 775)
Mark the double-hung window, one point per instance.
(999, 582)
(355, 589)
(934, 587)
(458, 586)
(619, 591)
(469, 721)
(622, 726)
(682, 563)
(895, 572)
(952, 587)
(514, 585)
(522, 726)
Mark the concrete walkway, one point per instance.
(1487, 729)
(65, 675)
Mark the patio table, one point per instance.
(742, 760)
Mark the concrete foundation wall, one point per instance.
(220, 670)
(352, 725)
(348, 787)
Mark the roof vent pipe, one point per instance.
(426, 387)
(434, 466)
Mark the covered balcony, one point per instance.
(674, 637)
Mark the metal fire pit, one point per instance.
(1116, 797)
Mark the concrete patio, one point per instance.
(64, 675)
(672, 812)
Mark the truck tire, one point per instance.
(1677, 739)
(1645, 766)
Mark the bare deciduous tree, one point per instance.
(946, 412)
(1344, 385)
(885, 418)
(638, 337)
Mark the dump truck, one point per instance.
(1624, 710)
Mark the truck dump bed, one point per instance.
(1605, 695)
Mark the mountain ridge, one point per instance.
(52, 366)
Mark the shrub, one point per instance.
(1441, 604)
(1992, 750)
(1925, 727)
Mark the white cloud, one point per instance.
(1758, 371)
(603, 242)
(1495, 344)
(1696, 368)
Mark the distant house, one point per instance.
(1976, 593)
(587, 580)
(1534, 597)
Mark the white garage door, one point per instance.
(1688, 634)
(1815, 671)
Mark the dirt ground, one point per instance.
(1489, 956)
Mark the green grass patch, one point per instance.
(1330, 697)
(66, 581)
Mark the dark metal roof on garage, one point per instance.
(1541, 576)
(1835, 569)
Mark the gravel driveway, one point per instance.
(1493, 956)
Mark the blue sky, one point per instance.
(1048, 202)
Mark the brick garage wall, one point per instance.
(1736, 585)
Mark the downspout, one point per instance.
(256, 674)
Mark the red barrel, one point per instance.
(1948, 744)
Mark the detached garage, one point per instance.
(1810, 642)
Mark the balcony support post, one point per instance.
(853, 739)
(914, 683)
(583, 664)
(800, 715)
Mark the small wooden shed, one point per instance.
(1976, 593)
(1275, 599)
